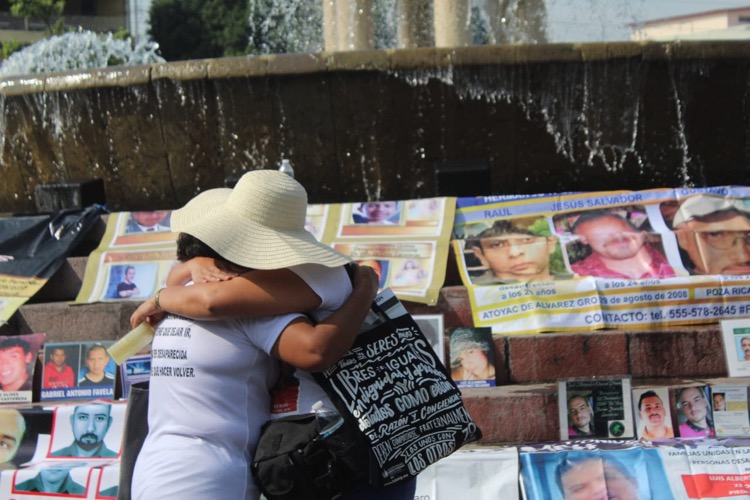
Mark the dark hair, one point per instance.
(499, 228)
(96, 346)
(594, 215)
(189, 246)
(647, 394)
(12, 342)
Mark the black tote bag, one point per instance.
(392, 386)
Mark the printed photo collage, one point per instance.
(406, 242)
(608, 408)
(63, 450)
(566, 262)
(33, 370)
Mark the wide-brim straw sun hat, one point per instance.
(260, 224)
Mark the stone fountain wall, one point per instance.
(373, 125)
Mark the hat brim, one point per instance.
(247, 243)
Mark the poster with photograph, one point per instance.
(78, 370)
(18, 355)
(667, 470)
(694, 413)
(134, 369)
(735, 334)
(89, 430)
(595, 408)
(652, 413)
(28, 472)
(472, 357)
(614, 259)
(593, 469)
(730, 405)
(432, 327)
(133, 259)
(405, 241)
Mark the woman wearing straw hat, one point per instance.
(210, 380)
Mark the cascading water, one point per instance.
(373, 125)
(78, 50)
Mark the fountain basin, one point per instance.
(374, 124)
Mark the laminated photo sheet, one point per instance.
(692, 415)
(109, 433)
(129, 264)
(472, 357)
(19, 350)
(476, 473)
(87, 477)
(406, 242)
(735, 334)
(572, 296)
(56, 379)
(593, 469)
(62, 479)
(595, 408)
(730, 410)
(653, 415)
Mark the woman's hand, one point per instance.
(198, 270)
(147, 311)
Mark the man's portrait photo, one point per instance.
(694, 412)
(53, 477)
(148, 222)
(58, 370)
(18, 356)
(743, 348)
(512, 251)
(12, 430)
(377, 212)
(616, 244)
(131, 281)
(90, 426)
(713, 233)
(653, 419)
(98, 369)
(630, 474)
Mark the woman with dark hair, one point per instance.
(210, 380)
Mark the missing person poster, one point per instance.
(652, 413)
(132, 260)
(406, 241)
(77, 370)
(730, 405)
(735, 334)
(18, 355)
(472, 357)
(595, 408)
(620, 259)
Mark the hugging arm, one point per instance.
(254, 293)
(315, 348)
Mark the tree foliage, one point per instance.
(47, 11)
(199, 29)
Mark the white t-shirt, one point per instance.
(298, 391)
(208, 397)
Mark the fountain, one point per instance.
(375, 124)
